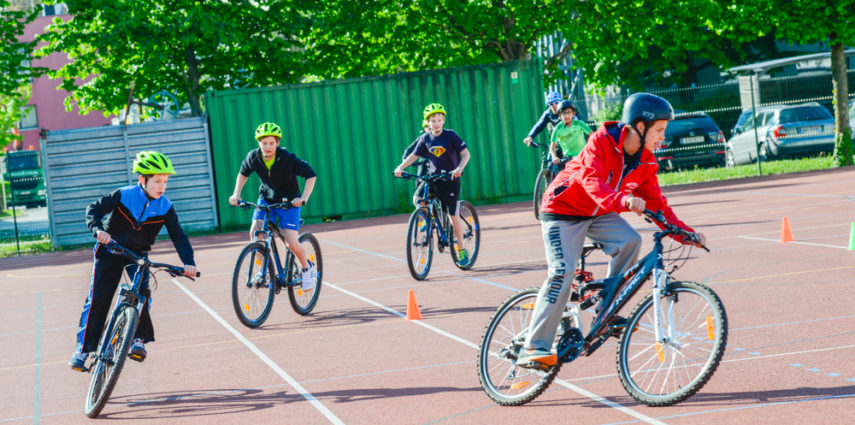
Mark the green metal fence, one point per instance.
(353, 133)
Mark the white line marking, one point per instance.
(793, 242)
(563, 383)
(293, 382)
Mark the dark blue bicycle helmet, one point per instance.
(645, 107)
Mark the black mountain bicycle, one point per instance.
(668, 347)
(119, 334)
(429, 216)
(547, 172)
(259, 274)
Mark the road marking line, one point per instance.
(794, 242)
(279, 371)
(768, 276)
(377, 254)
(753, 406)
(37, 385)
(563, 383)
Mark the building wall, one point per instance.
(48, 101)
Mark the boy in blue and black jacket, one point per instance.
(136, 215)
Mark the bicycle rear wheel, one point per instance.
(695, 325)
(108, 365)
(501, 378)
(540, 184)
(252, 286)
(471, 235)
(419, 244)
(301, 301)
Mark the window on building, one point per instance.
(29, 119)
(55, 9)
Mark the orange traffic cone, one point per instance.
(786, 233)
(413, 312)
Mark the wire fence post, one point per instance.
(754, 114)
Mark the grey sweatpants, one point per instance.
(564, 241)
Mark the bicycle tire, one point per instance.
(304, 302)
(471, 235)
(500, 344)
(699, 330)
(114, 352)
(420, 240)
(540, 184)
(252, 293)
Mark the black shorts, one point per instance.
(448, 193)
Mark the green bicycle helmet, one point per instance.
(433, 108)
(268, 129)
(151, 162)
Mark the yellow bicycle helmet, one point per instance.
(151, 162)
(433, 108)
(268, 129)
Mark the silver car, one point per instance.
(782, 131)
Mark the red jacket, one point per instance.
(591, 184)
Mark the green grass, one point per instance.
(700, 175)
(10, 248)
(19, 212)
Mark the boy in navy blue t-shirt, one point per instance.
(447, 152)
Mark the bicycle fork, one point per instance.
(664, 335)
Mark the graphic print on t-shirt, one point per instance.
(437, 151)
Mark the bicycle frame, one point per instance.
(617, 291)
(268, 228)
(128, 294)
(436, 212)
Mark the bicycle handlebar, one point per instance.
(427, 177)
(285, 205)
(659, 218)
(174, 271)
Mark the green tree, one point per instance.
(15, 70)
(829, 22)
(351, 39)
(184, 46)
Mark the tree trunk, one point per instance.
(842, 133)
(191, 81)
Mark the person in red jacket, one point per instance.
(615, 172)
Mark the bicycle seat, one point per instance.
(591, 247)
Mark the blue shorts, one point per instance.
(285, 219)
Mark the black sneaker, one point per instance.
(78, 361)
(618, 324)
(536, 359)
(138, 352)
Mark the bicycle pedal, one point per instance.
(535, 366)
(136, 358)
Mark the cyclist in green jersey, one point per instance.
(570, 134)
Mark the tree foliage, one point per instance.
(184, 46)
(15, 70)
(829, 22)
(386, 36)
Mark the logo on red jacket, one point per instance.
(632, 185)
(437, 151)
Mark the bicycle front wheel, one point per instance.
(253, 285)
(471, 236)
(108, 365)
(419, 244)
(501, 378)
(695, 328)
(540, 184)
(303, 302)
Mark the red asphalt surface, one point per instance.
(356, 360)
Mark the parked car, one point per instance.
(782, 131)
(692, 139)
